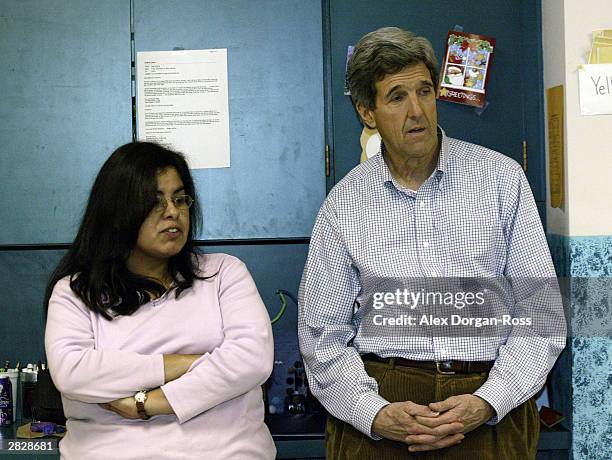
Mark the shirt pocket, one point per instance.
(473, 241)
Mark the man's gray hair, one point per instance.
(383, 52)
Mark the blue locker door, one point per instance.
(515, 109)
(276, 181)
(65, 105)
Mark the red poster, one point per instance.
(466, 67)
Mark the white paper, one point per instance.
(182, 103)
(595, 82)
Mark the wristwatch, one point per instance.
(140, 399)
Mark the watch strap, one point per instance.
(140, 407)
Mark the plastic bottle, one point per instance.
(29, 377)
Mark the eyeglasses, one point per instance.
(179, 201)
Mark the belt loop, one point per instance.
(392, 363)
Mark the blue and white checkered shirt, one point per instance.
(475, 216)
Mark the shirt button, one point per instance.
(422, 205)
(443, 351)
(425, 244)
(434, 274)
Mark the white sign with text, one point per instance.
(595, 89)
(182, 102)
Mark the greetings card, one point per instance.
(465, 71)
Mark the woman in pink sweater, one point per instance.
(159, 351)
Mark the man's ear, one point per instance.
(367, 116)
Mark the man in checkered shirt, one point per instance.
(433, 207)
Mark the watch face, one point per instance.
(140, 397)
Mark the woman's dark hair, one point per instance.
(122, 196)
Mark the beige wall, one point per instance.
(566, 29)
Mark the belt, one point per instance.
(443, 367)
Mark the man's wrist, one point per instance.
(488, 409)
(368, 407)
(376, 422)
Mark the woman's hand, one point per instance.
(156, 404)
(125, 407)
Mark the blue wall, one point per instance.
(67, 104)
(587, 362)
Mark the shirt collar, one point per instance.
(441, 167)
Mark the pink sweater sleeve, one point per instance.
(242, 362)
(83, 373)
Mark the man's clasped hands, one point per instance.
(438, 425)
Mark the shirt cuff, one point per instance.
(181, 405)
(177, 403)
(365, 411)
(157, 376)
(498, 395)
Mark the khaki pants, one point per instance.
(514, 438)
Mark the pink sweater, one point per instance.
(218, 402)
